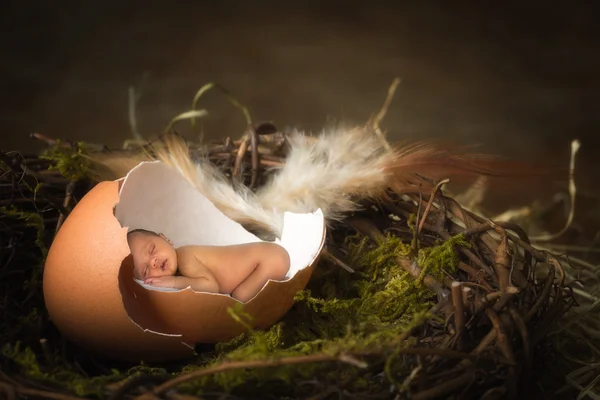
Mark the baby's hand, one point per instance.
(161, 281)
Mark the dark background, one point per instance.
(521, 80)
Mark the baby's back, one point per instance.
(230, 265)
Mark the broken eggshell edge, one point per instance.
(157, 198)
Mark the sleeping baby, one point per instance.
(238, 270)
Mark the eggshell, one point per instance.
(95, 301)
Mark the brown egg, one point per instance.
(94, 300)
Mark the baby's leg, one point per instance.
(274, 268)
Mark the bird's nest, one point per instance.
(414, 297)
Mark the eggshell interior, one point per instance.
(93, 298)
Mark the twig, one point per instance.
(43, 394)
(459, 313)
(229, 97)
(191, 115)
(572, 195)
(522, 328)
(120, 389)
(428, 351)
(336, 260)
(474, 274)
(8, 379)
(270, 163)
(569, 247)
(502, 261)
(543, 296)
(240, 156)
(486, 301)
(522, 241)
(505, 296)
(504, 345)
(447, 387)
(415, 241)
(255, 159)
(383, 111)
(229, 366)
(589, 266)
(131, 107)
(66, 202)
(8, 391)
(509, 215)
(430, 202)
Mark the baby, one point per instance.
(239, 270)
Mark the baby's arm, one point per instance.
(268, 261)
(199, 284)
(202, 281)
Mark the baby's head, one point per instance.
(153, 254)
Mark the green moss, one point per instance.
(31, 220)
(365, 312)
(59, 375)
(69, 161)
(337, 312)
(143, 368)
(441, 259)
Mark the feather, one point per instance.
(236, 201)
(332, 172)
(436, 161)
(113, 165)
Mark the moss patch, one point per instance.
(338, 312)
(68, 160)
(59, 376)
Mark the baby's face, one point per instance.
(152, 255)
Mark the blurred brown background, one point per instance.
(519, 80)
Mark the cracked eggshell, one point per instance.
(95, 301)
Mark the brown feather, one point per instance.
(431, 160)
